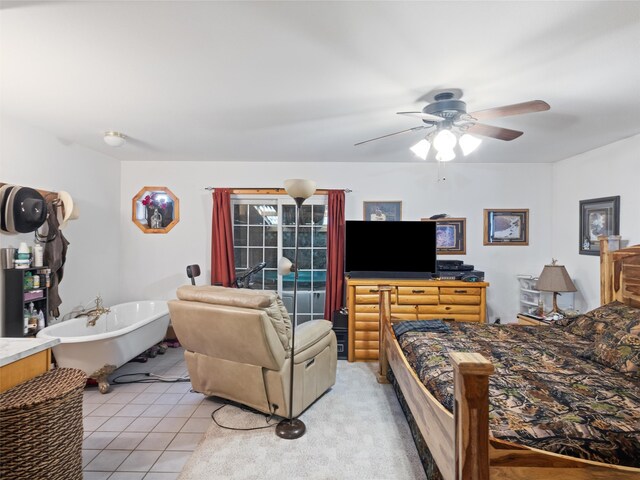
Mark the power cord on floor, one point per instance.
(268, 418)
(152, 378)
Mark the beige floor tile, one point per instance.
(195, 425)
(130, 388)
(126, 441)
(180, 387)
(171, 462)
(115, 424)
(192, 398)
(145, 398)
(169, 398)
(95, 475)
(156, 441)
(107, 460)
(185, 441)
(204, 410)
(106, 410)
(87, 408)
(127, 476)
(140, 461)
(91, 424)
(157, 388)
(122, 397)
(143, 424)
(98, 440)
(182, 411)
(94, 396)
(170, 424)
(131, 410)
(156, 410)
(162, 476)
(88, 455)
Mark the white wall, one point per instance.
(35, 158)
(608, 171)
(154, 265)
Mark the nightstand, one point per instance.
(526, 320)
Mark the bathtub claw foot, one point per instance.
(101, 376)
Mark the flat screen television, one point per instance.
(392, 249)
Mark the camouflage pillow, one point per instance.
(607, 318)
(619, 349)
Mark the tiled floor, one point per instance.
(144, 430)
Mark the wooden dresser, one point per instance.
(410, 300)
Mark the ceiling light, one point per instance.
(445, 155)
(114, 139)
(444, 140)
(468, 143)
(421, 149)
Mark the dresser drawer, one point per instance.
(418, 295)
(460, 291)
(447, 309)
(419, 290)
(460, 299)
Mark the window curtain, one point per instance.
(222, 261)
(335, 253)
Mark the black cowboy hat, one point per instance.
(26, 210)
(5, 190)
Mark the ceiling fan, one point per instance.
(452, 128)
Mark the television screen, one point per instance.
(390, 246)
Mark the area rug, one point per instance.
(355, 431)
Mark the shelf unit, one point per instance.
(17, 298)
(530, 297)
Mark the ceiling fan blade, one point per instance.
(494, 132)
(423, 116)
(414, 129)
(515, 109)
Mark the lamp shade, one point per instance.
(300, 188)
(285, 266)
(554, 278)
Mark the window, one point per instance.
(264, 231)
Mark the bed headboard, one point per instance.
(619, 274)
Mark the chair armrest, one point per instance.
(309, 334)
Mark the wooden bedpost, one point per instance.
(385, 318)
(471, 415)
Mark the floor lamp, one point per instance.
(298, 189)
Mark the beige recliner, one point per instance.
(237, 346)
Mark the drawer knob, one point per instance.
(417, 291)
(373, 290)
(459, 291)
(447, 308)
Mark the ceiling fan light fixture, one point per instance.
(445, 140)
(468, 143)
(445, 155)
(114, 139)
(421, 149)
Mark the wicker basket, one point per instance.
(41, 427)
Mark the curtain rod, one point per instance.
(271, 191)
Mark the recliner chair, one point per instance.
(238, 346)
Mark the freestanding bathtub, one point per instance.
(117, 337)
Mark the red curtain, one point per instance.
(222, 261)
(335, 253)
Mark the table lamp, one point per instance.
(554, 278)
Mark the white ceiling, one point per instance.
(303, 81)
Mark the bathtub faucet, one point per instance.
(95, 313)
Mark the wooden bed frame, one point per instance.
(460, 442)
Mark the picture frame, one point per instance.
(382, 211)
(506, 226)
(451, 235)
(598, 216)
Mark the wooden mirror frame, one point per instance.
(138, 198)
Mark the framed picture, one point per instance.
(382, 211)
(598, 216)
(451, 235)
(506, 226)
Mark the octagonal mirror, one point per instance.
(155, 209)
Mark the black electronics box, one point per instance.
(465, 276)
(340, 328)
(453, 266)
